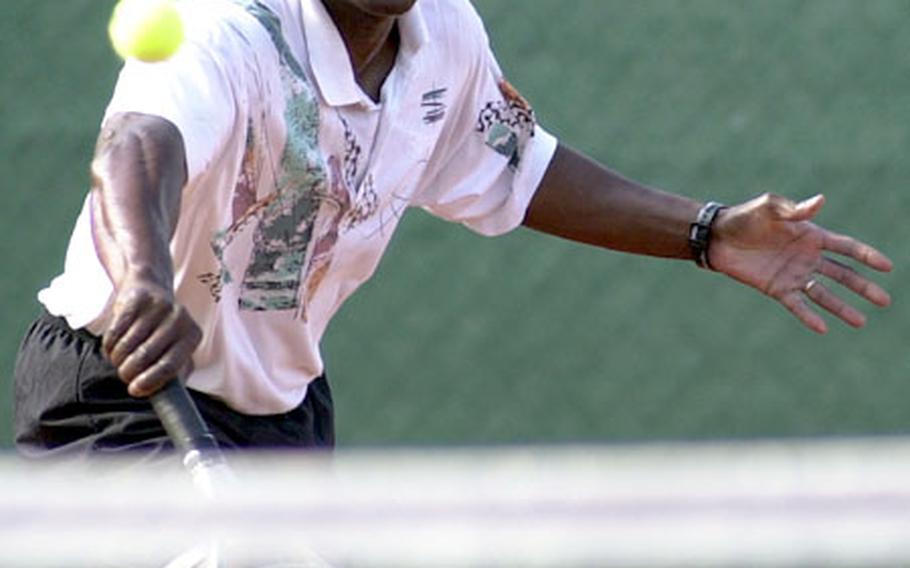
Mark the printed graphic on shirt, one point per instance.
(507, 124)
(327, 236)
(367, 202)
(433, 102)
(245, 192)
(273, 277)
(295, 227)
(352, 153)
(244, 208)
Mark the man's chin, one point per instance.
(383, 7)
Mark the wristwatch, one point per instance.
(700, 233)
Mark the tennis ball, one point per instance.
(148, 30)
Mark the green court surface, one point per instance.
(461, 339)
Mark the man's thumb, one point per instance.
(804, 210)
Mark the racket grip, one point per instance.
(182, 421)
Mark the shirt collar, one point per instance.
(329, 58)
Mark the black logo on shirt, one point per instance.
(433, 105)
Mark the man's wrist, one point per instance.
(149, 277)
(700, 233)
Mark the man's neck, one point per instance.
(366, 36)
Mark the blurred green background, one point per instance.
(526, 339)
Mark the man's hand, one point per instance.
(771, 244)
(768, 243)
(151, 339)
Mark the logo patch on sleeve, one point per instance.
(507, 124)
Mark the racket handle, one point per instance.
(182, 421)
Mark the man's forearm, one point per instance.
(138, 175)
(583, 201)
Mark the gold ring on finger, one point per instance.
(809, 285)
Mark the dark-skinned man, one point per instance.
(242, 190)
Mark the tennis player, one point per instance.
(242, 190)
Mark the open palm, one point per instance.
(771, 244)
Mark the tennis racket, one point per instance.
(201, 457)
(191, 436)
(206, 464)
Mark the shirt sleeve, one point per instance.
(490, 158)
(196, 89)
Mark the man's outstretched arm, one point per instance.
(138, 174)
(768, 243)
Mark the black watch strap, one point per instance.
(700, 233)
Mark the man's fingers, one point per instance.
(142, 357)
(152, 379)
(847, 246)
(126, 310)
(176, 335)
(143, 324)
(851, 279)
(794, 302)
(831, 302)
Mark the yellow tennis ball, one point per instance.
(148, 30)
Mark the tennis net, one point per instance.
(774, 503)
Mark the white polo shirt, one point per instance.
(297, 179)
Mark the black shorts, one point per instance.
(69, 401)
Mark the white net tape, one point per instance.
(831, 503)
